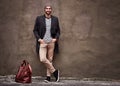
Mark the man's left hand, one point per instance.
(54, 40)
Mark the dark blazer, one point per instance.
(40, 29)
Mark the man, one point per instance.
(47, 32)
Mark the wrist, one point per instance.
(39, 40)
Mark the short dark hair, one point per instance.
(47, 5)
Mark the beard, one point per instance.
(48, 12)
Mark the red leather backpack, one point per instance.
(24, 73)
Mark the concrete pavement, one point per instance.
(39, 81)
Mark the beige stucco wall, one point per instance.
(89, 42)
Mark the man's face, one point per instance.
(48, 10)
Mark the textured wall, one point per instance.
(89, 43)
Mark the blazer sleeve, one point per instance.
(36, 27)
(58, 30)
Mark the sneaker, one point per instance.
(56, 75)
(47, 79)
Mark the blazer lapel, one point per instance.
(44, 21)
(52, 21)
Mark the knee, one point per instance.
(50, 60)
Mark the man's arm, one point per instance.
(36, 29)
(58, 30)
(36, 33)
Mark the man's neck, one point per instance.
(47, 16)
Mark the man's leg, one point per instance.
(50, 55)
(48, 64)
(43, 59)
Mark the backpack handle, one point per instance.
(24, 63)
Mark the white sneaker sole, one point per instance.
(46, 81)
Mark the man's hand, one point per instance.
(54, 40)
(41, 41)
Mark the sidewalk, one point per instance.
(39, 81)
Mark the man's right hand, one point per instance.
(41, 41)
